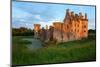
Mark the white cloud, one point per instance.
(37, 17)
(91, 24)
(49, 23)
(27, 24)
(22, 20)
(24, 15)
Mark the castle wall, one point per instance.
(85, 28)
(80, 30)
(57, 34)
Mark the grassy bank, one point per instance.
(80, 50)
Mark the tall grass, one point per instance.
(81, 50)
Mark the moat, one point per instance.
(35, 43)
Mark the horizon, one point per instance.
(45, 14)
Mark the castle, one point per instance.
(73, 27)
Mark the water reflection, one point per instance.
(36, 43)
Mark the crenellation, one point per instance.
(80, 15)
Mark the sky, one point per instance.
(26, 14)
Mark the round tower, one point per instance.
(36, 30)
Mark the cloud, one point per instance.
(91, 23)
(22, 20)
(24, 15)
(37, 17)
(49, 23)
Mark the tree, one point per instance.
(22, 31)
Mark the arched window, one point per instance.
(67, 26)
(78, 30)
(75, 25)
(75, 30)
(78, 25)
(84, 30)
(84, 26)
(71, 30)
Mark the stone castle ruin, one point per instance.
(73, 27)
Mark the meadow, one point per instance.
(72, 51)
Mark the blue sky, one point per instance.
(26, 14)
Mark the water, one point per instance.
(35, 43)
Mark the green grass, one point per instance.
(80, 50)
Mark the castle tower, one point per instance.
(86, 16)
(67, 12)
(80, 16)
(46, 27)
(72, 15)
(85, 26)
(37, 27)
(67, 16)
(36, 30)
